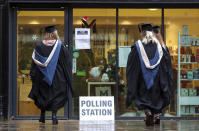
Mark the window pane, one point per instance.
(30, 26)
(94, 68)
(186, 101)
(128, 35)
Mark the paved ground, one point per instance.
(120, 125)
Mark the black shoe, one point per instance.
(54, 118)
(42, 117)
(149, 120)
(157, 121)
(42, 120)
(55, 121)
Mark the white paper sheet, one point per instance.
(123, 55)
(82, 44)
(82, 38)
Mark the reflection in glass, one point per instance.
(30, 26)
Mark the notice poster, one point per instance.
(82, 38)
(123, 55)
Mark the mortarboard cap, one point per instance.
(50, 29)
(155, 29)
(145, 26)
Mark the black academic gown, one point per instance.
(158, 96)
(55, 96)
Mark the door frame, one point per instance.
(117, 116)
(116, 57)
(13, 60)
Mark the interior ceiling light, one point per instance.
(34, 22)
(54, 20)
(153, 9)
(125, 22)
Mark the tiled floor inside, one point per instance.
(119, 125)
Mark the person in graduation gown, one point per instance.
(149, 74)
(51, 74)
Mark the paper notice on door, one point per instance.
(123, 55)
(82, 44)
(82, 38)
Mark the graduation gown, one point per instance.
(54, 96)
(158, 96)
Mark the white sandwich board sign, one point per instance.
(96, 108)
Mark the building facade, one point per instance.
(113, 30)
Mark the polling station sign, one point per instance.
(96, 108)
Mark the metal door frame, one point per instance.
(13, 59)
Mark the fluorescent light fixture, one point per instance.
(153, 9)
(34, 22)
(125, 22)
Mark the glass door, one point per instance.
(94, 67)
(128, 35)
(30, 27)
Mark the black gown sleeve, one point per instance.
(132, 75)
(67, 66)
(33, 68)
(166, 76)
(168, 65)
(33, 71)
